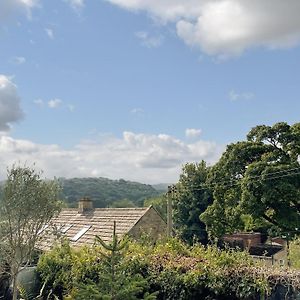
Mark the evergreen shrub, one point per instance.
(167, 270)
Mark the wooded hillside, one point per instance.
(104, 192)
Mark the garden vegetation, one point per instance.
(168, 270)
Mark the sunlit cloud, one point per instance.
(225, 27)
(54, 103)
(192, 132)
(139, 157)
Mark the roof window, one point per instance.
(65, 228)
(44, 227)
(79, 234)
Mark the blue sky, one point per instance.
(135, 88)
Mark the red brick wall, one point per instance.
(248, 239)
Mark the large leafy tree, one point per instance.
(27, 204)
(192, 199)
(256, 182)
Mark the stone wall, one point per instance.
(150, 224)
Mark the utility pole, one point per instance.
(170, 195)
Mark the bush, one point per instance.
(177, 271)
(295, 253)
(91, 273)
(168, 270)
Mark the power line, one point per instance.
(233, 182)
(269, 174)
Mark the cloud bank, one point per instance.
(139, 157)
(9, 8)
(10, 109)
(226, 27)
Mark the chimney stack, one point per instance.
(85, 204)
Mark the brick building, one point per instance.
(272, 251)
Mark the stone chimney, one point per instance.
(85, 204)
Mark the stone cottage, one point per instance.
(81, 225)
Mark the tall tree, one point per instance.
(115, 283)
(257, 179)
(27, 205)
(193, 197)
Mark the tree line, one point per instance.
(255, 186)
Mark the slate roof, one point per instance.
(265, 250)
(253, 243)
(98, 221)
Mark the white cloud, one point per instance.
(140, 157)
(235, 96)
(137, 111)
(18, 60)
(10, 108)
(54, 103)
(49, 33)
(192, 132)
(148, 40)
(166, 10)
(9, 8)
(39, 102)
(226, 27)
(76, 4)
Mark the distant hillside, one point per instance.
(104, 191)
(161, 187)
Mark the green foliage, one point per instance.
(123, 203)
(64, 268)
(193, 198)
(24, 294)
(177, 271)
(114, 283)
(159, 203)
(92, 273)
(27, 204)
(104, 191)
(259, 178)
(294, 254)
(167, 270)
(54, 267)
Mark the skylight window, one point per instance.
(65, 228)
(44, 227)
(79, 234)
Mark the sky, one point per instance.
(135, 89)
